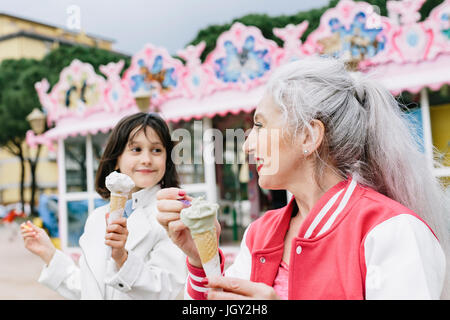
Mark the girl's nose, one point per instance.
(146, 157)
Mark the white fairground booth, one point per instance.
(221, 93)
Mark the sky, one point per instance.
(133, 23)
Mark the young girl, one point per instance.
(144, 263)
(366, 220)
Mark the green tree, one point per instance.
(16, 103)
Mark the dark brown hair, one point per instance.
(119, 139)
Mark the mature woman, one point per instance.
(366, 220)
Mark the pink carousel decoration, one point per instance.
(117, 93)
(232, 77)
(196, 77)
(154, 74)
(243, 58)
(352, 31)
(291, 34)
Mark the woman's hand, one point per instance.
(116, 237)
(169, 207)
(238, 289)
(37, 241)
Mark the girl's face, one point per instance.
(277, 156)
(143, 159)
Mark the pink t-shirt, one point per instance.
(280, 284)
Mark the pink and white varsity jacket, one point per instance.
(354, 244)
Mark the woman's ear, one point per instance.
(312, 139)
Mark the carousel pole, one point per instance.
(62, 201)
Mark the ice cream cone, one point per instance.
(200, 218)
(206, 243)
(116, 206)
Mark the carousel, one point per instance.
(222, 92)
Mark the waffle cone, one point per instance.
(206, 243)
(116, 207)
(117, 202)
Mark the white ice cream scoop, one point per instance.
(119, 183)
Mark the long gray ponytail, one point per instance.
(367, 136)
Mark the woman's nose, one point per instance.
(249, 145)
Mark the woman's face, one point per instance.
(271, 145)
(143, 159)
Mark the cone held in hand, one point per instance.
(206, 243)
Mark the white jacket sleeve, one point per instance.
(161, 275)
(62, 275)
(404, 260)
(242, 265)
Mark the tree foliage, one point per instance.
(18, 96)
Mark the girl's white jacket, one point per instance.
(155, 268)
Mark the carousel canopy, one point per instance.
(399, 51)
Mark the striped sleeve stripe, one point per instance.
(195, 292)
(194, 288)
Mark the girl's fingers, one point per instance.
(115, 236)
(121, 222)
(26, 226)
(115, 243)
(28, 234)
(116, 228)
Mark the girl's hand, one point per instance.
(116, 237)
(169, 207)
(37, 241)
(239, 289)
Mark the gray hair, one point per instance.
(366, 136)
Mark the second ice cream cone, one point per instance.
(206, 243)
(200, 218)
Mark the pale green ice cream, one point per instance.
(200, 216)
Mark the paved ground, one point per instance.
(19, 271)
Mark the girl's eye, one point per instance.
(136, 149)
(157, 150)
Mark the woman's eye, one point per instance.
(257, 125)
